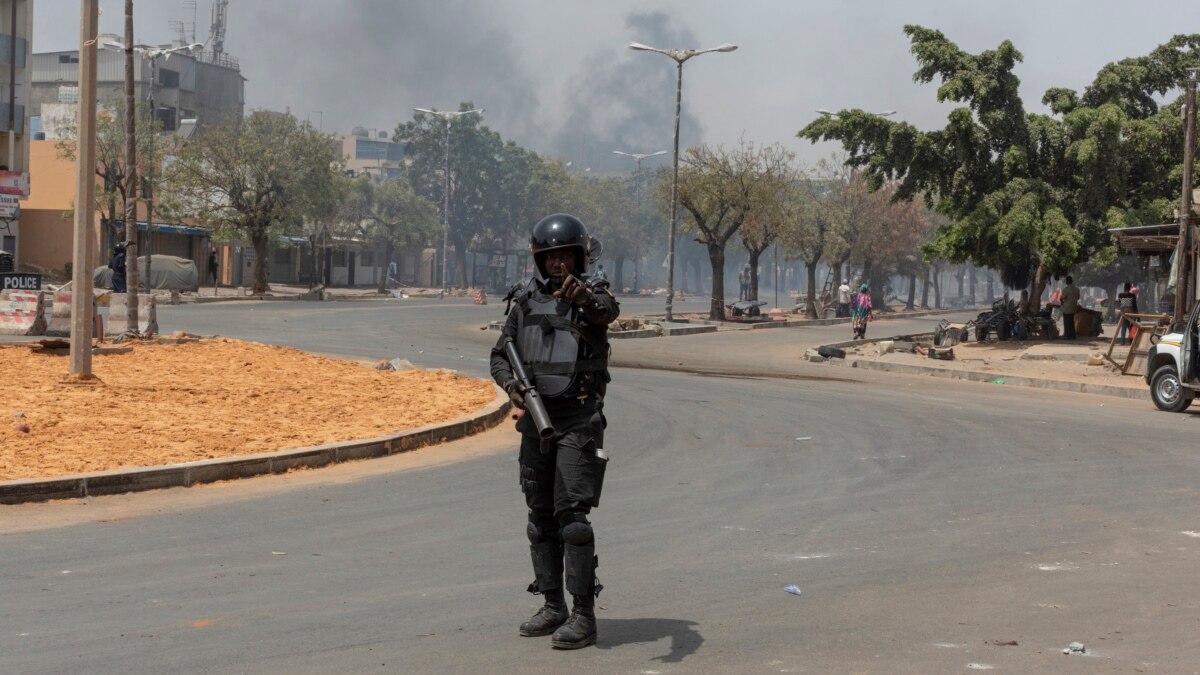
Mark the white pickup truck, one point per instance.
(1172, 370)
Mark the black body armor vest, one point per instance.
(566, 356)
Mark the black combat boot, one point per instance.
(579, 630)
(548, 572)
(552, 615)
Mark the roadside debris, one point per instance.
(1075, 648)
(936, 353)
(792, 588)
(831, 352)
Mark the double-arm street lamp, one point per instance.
(678, 56)
(830, 113)
(448, 116)
(637, 157)
(637, 187)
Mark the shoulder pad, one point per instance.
(517, 293)
(518, 289)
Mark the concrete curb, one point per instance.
(801, 323)
(241, 298)
(982, 376)
(1016, 380)
(246, 466)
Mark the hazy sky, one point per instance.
(556, 75)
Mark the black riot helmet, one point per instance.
(560, 230)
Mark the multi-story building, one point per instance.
(16, 29)
(183, 85)
(375, 156)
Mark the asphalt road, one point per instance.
(926, 522)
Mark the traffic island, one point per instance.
(168, 415)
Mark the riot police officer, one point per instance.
(559, 322)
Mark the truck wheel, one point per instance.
(1167, 392)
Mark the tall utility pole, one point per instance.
(131, 182)
(85, 239)
(1183, 251)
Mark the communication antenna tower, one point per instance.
(216, 30)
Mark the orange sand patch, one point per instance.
(169, 403)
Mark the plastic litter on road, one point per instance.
(792, 588)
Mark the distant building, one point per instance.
(374, 156)
(186, 86)
(16, 28)
(46, 246)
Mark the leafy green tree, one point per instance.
(783, 201)
(389, 214)
(477, 164)
(110, 157)
(255, 178)
(720, 190)
(1031, 195)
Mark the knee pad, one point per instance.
(578, 533)
(540, 529)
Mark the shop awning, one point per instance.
(1147, 239)
(166, 228)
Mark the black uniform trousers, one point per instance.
(563, 482)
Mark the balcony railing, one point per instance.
(224, 60)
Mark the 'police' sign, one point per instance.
(21, 282)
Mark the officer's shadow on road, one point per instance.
(685, 639)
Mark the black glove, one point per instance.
(516, 394)
(575, 290)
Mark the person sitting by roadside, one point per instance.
(1023, 304)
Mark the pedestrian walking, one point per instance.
(862, 312)
(1070, 307)
(213, 267)
(559, 322)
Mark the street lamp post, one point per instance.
(637, 157)
(679, 56)
(637, 187)
(153, 55)
(448, 116)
